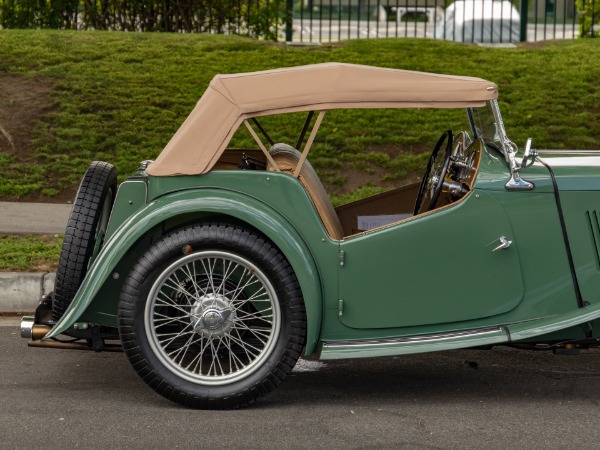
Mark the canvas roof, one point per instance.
(230, 99)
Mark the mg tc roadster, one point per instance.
(214, 268)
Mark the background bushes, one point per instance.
(256, 18)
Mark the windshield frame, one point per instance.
(487, 125)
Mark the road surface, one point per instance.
(502, 398)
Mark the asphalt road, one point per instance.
(503, 398)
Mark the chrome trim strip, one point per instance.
(568, 152)
(418, 338)
(413, 344)
(528, 330)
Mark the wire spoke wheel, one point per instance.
(212, 317)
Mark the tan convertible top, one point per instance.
(230, 99)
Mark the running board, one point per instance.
(369, 348)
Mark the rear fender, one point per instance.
(227, 203)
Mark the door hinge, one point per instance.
(340, 307)
(342, 258)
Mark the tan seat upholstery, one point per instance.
(287, 158)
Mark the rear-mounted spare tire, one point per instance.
(85, 232)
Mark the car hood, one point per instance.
(576, 172)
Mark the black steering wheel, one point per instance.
(433, 179)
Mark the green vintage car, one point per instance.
(215, 268)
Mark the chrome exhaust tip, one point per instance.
(27, 323)
(32, 331)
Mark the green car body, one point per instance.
(515, 260)
(493, 294)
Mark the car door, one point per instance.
(435, 268)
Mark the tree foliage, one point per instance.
(256, 18)
(589, 18)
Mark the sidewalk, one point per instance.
(33, 218)
(20, 292)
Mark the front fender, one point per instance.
(242, 207)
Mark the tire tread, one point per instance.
(78, 242)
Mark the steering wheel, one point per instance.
(433, 179)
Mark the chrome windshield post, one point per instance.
(515, 182)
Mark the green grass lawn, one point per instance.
(29, 253)
(119, 97)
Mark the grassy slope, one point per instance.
(120, 97)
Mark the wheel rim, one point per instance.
(212, 318)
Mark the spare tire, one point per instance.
(85, 232)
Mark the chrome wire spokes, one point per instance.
(212, 317)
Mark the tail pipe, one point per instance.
(31, 330)
(35, 332)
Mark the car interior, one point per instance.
(449, 177)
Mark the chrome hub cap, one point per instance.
(215, 315)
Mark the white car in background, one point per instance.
(480, 21)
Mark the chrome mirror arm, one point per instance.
(510, 150)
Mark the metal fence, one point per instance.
(482, 21)
(315, 21)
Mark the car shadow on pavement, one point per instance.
(500, 374)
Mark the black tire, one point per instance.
(212, 317)
(85, 231)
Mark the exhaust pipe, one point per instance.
(73, 346)
(36, 332)
(31, 330)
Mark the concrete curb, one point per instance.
(20, 292)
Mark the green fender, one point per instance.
(229, 203)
